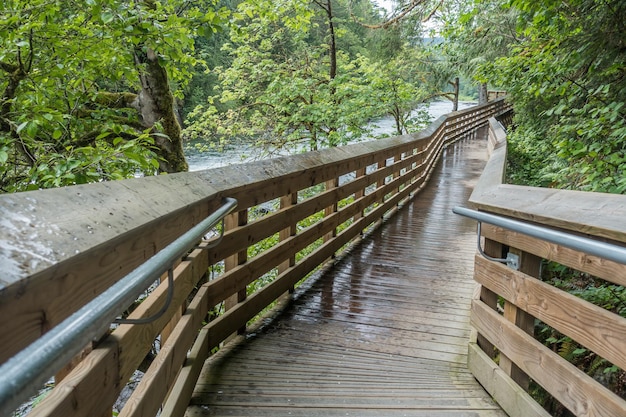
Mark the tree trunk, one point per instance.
(156, 104)
(455, 86)
(482, 94)
(333, 41)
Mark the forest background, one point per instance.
(106, 89)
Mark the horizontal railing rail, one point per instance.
(593, 247)
(582, 231)
(26, 372)
(64, 247)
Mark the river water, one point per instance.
(237, 153)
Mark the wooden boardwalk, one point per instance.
(383, 334)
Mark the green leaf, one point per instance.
(21, 127)
(107, 17)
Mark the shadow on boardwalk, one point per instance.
(384, 333)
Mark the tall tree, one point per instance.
(86, 94)
(287, 85)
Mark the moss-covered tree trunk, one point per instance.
(156, 105)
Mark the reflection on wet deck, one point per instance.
(384, 333)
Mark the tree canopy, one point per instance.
(86, 88)
(106, 89)
(305, 74)
(563, 65)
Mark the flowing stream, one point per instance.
(237, 153)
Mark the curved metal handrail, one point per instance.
(597, 248)
(27, 371)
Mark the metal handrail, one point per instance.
(597, 248)
(23, 374)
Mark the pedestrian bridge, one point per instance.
(340, 282)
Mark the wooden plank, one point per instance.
(513, 399)
(236, 220)
(41, 301)
(565, 209)
(285, 202)
(601, 268)
(530, 265)
(151, 391)
(181, 392)
(89, 390)
(594, 327)
(573, 388)
(119, 355)
(200, 411)
(494, 249)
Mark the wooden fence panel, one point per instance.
(114, 227)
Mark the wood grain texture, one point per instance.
(598, 267)
(516, 402)
(98, 380)
(574, 389)
(384, 332)
(599, 330)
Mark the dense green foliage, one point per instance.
(86, 87)
(566, 75)
(90, 88)
(601, 293)
(303, 74)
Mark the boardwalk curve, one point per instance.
(384, 333)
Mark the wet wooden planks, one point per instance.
(383, 334)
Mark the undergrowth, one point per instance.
(601, 293)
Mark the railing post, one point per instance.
(233, 221)
(359, 194)
(490, 298)
(285, 202)
(530, 265)
(330, 184)
(396, 174)
(381, 183)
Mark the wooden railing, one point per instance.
(509, 302)
(62, 247)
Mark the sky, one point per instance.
(387, 4)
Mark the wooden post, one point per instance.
(381, 183)
(233, 221)
(494, 249)
(288, 201)
(531, 265)
(330, 184)
(396, 174)
(359, 194)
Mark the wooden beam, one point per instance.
(577, 391)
